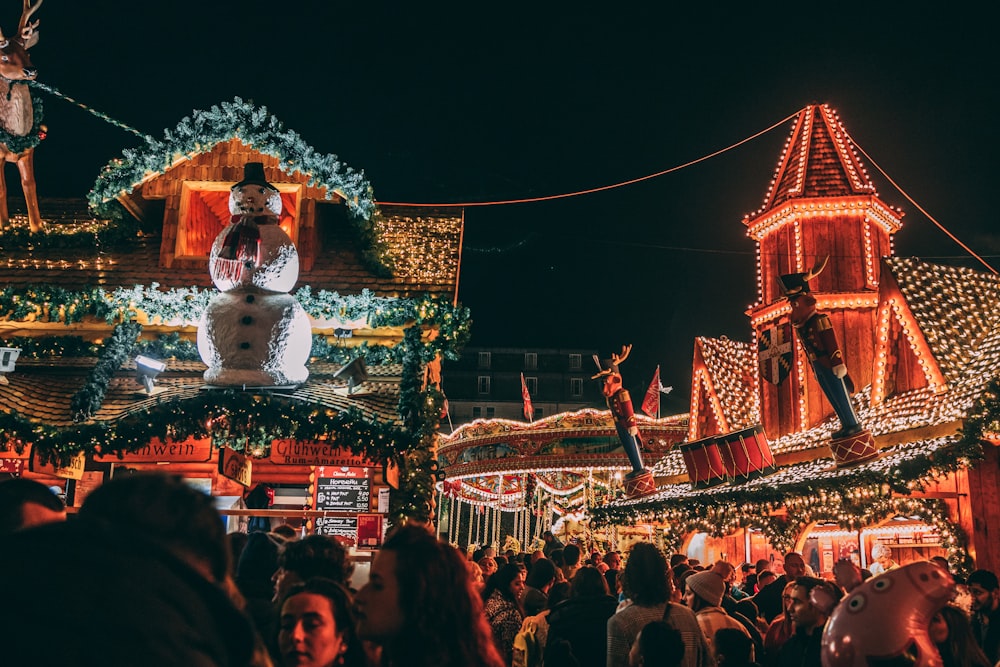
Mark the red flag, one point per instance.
(651, 401)
(529, 409)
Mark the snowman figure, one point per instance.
(253, 333)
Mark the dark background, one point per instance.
(482, 102)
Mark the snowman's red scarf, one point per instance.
(240, 247)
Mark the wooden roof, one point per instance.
(41, 390)
(724, 379)
(819, 160)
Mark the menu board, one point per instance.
(344, 490)
(338, 526)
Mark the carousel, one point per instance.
(510, 481)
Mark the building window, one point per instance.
(532, 383)
(575, 362)
(477, 412)
(576, 387)
(530, 361)
(491, 412)
(484, 384)
(484, 359)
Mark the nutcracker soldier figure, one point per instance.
(640, 481)
(851, 442)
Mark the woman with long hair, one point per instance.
(504, 612)
(951, 632)
(420, 606)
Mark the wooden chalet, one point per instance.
(922, 343)
(79, 312)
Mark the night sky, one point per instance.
(484, 102)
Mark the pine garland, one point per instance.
(185, 305)
(254, 126)
(116, 351)
(16, 143)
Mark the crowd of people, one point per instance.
(145, 574)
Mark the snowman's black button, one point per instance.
(245, 345)
(250, 298)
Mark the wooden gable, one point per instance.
(723, 383)
(195, 192)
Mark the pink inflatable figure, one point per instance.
(884, 621)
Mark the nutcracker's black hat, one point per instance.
(797, 284)
(794, 284)
(253, 174)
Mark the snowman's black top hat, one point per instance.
(253, 174)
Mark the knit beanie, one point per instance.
(708, 586)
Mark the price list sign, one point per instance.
(343, 490)
(338, 526)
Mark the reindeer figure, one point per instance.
(16, 111)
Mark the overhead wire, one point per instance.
(603, 188)
(922, 210)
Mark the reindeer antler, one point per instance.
(28, 31)
(618, 358)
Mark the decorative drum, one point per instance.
(854, 449)
(746, 454)
(704, 463)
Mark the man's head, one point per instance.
(804, 614)
(985, 591)
(548, 536)
(677, 559)
(25, 503)
(571, 555)
(764, 578)
(795, 567)
(312, 556)
(613, 559)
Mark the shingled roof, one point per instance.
(42, 389)
(727, 379)
(819, 160)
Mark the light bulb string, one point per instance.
(921, 208)
(603, 188)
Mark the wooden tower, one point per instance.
(821, 202)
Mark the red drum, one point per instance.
(704, 463)
(746, 454)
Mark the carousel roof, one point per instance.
(489, 460)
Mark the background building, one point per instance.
(485, 383)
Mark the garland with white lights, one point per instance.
(106, 234)
(782, 530)
(45, 303)
(255, 127)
